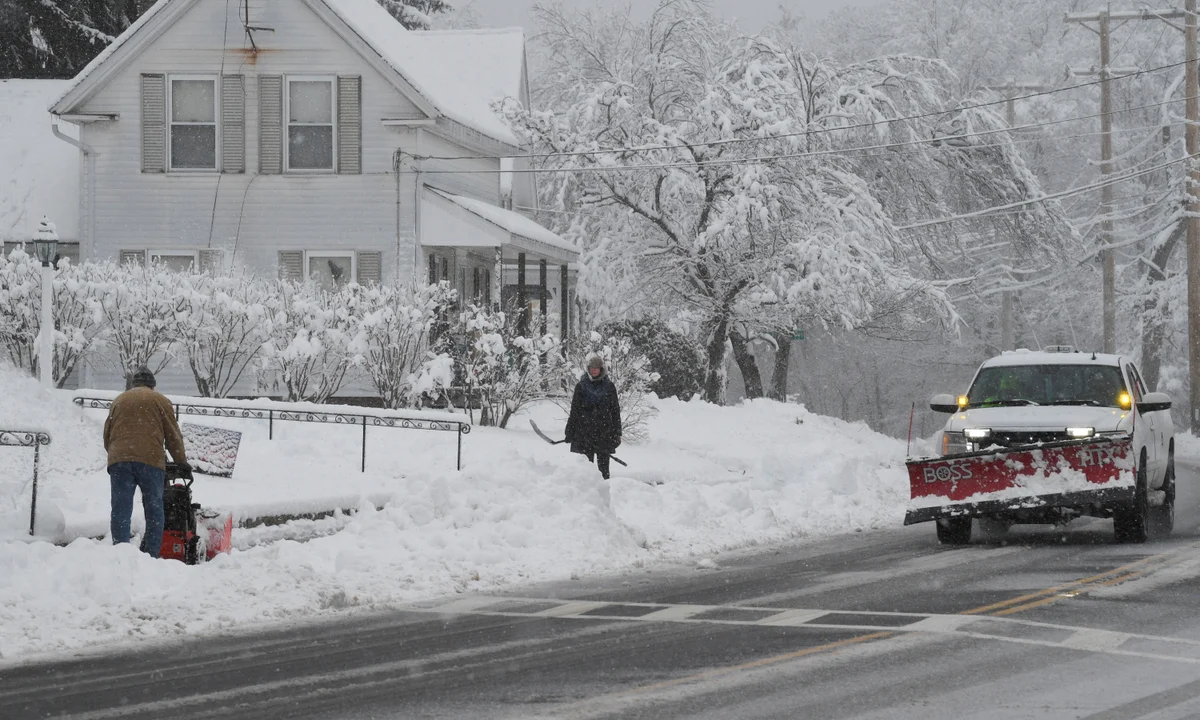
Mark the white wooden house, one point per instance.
(303, 137)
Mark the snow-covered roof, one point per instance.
(39, 173)
(458, 71)
(1037, 357)
(509, 220)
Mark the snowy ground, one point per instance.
(709, 479)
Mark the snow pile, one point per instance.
(520, 511)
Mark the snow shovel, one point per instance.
(543, 436)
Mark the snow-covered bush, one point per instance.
(629, 370)
(78, 328)
(307, 352)
(223, 326)
(673, 356)
(142, 308)
(392, 337)
(500, 367)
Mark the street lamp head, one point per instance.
(45, 242)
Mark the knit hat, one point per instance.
(142, 377)
(595, 361)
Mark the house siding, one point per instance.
(252, 216)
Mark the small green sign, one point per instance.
(797, 334)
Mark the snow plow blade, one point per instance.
(1092, 473)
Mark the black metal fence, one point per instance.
(28, 438)
(391, 420)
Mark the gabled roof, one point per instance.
(39, 174)
(456, 74)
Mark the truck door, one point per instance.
(1149, 423)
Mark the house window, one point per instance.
(310, 119)
(174, 260)
(330, 270)
(193, 123)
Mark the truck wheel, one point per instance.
(954, 531)
(1163, 517)
(1132, 524)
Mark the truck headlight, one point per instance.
(954, 443)
(1078, 433)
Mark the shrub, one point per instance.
(672, 355)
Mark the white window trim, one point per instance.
(216, 81)
(153, 255)
(310, 255)
(287, 124)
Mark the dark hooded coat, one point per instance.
(595, 422)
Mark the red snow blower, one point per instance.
(190, 533)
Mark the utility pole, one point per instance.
(1104, 20)
(1009, 90)
(1192, 141)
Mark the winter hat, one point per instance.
(143, 378)
(595, 361)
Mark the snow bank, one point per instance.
(520, 511)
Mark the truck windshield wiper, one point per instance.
(1005, 403)
(1092, 403)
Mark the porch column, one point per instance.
(565, 304)
(522, 307)
(543, 294)
(497, 280)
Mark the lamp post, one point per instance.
(45, 247)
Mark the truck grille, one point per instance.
(1014, 438)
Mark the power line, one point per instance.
(1112, 180)
(768, 158)
(817, 131)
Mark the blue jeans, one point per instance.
(125, 477)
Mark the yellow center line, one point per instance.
(1052, 594)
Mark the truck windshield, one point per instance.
(1096, 385)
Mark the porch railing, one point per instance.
(28, 438)
(374, 418)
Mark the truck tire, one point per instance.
(1132, 524)
(954, 531)
(1162, 518)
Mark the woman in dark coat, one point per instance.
(594, 427)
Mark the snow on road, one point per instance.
(520, 511)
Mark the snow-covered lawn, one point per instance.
(521, 510)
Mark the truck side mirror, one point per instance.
(944, 403)
(1154, 402)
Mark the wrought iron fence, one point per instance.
(28, 438)
(397, 420)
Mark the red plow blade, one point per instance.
(1096, 471)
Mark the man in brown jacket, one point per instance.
(139, 422)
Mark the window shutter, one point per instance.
(154, 123)
(212, 260)
(370, 268)
(270, 124)
(137, 257)
(233, 124)
(291, 265)
(349, 129)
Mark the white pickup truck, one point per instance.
(1063, 408)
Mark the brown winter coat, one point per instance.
(139, 422)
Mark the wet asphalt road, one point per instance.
(1050, 623)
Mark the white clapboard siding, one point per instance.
(233, 123)
(212, 259)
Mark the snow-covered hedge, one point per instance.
(294, 340)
